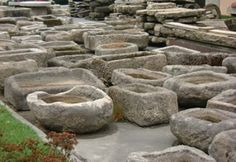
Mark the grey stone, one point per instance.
(223, 146)
(143, 104)
(37, 54)
(82, 109)
(230, 63)
(125, 76)
(194, 89)
(8, 69)
(4, 35)
(68, 61)
(10, 28)
(58, 36)
(17, 87)
(183, 69)
(26, 38)
(116, 48)
(103, 66)
(94, 39)
(172, 154)
(197, 127)
(225, 101)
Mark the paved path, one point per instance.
(118, 140)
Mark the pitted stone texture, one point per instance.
(10, 28)
(68, 61)
(125, 76)
(103, 66)
(225, 101)
(26, 38)
(8, 69)
(17, 87)
(156, 6)
(56, 36)
(183, 69)
(230, 63)
(37, 54)
(143, 104)
(116, 48)
(194, 89)
(128, 9)
(173, 154)
(94, 39)
(82, 109)
(223, 146)
(197, 127)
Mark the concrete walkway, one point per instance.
(114, 143)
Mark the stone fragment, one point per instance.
(17, 87)
(225, 101)
(82, 109)
(173, 154)
(223, 146)
(126, 76)
(143, 104)
(194, 89)
(197, 127)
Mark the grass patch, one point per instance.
(225, 17)
(19, 143)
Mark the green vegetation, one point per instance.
(19, 143)
(227, 17)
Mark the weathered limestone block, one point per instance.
(225, 101)
(22, 23)
(129, 1)
(116, 48)
(103, 66)
(26, 38)
(15, 12)
(194, 89)
(8, 69)
(197, 127)
(199, 34)
(5, 43)
(10, 28)
(156, 6)
(126, 76)
(17, 87)
(82, 109)
(49, 20)
(143, 104)
(68, 61)
(223, 146)
(128, 9)
(57, 36)
(39, 55)
(230, 63)
(173, 154)
(60, 45)
(33, 28)
(183, 69)
(94, 39)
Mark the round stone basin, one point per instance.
(204, 79)
(70, 99)
(82, 109)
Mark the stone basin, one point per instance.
(17, 87)
(194, 89)
(82, 109)
(225, 101)
(124, 76)
(197, 127)
(68, 61)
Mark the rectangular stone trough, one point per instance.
(39, 55)
(14, 12)
(92, 39)
(17, 87)
(103, 66)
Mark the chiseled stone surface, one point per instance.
(197, 127)
(173, 154)
(230, 63)
(223, 146)
(143, 104)
(81, 109)
(194, 89)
